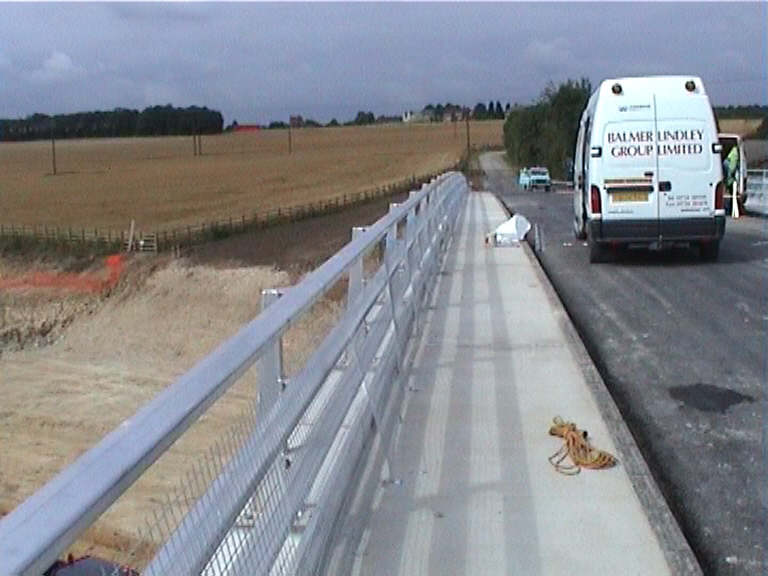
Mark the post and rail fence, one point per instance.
(174, 238)
(268, 498)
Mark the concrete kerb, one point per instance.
(675, 547)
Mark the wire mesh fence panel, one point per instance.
(266, 475)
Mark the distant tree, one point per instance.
(479, 112)
(333, 122)
(120, 122)
(545, 133)
(277, 125)
(754, 111)
(364, 118)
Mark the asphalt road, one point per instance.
(682, 348)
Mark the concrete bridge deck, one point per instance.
(470, 489)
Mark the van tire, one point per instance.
(580, 228)
(598, 253)
(709, 251)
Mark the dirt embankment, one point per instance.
(74, 365)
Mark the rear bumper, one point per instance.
(660, 232)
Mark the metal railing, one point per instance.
(757, 191)
(267, 500)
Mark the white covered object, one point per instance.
(511, 231)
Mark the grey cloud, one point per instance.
(264, 61)
(57, 68)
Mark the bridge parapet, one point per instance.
(267, 499)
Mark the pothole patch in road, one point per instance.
(708, 397)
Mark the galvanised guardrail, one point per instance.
(272, 504)
(757, 191)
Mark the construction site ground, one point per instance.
(74, 364)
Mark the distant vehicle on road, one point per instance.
(536, 177)
(539, 178)
(648, 170)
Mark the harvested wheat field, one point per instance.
(161, 184)
(741, 126)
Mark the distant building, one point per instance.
(297, 122)
(246, 128)
(417, 117)
(452, 113)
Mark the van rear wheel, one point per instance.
(709, 251)
(598, 253)
(580, 225)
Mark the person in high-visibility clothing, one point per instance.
(730, 171)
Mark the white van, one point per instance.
(647, 167)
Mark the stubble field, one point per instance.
(161, 184)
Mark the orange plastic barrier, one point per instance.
(84, 283)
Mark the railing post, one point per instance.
(356, 279)
(390, 257)
(271, 378)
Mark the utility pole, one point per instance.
(197, 139)
(469, 145)
(53, 149)
(290, 145)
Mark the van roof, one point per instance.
(645, 84)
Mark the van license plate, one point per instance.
(629, 197)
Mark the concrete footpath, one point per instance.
(470, 489)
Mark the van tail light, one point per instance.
(720, 196)
(594, 196)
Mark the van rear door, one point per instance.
(629, 171)
(686, 157)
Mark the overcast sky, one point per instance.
(257, 62)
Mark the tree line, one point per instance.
(544, 134)
(430, 113)
(754, 112)
(171, 121)
(120, 122)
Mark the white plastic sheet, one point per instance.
(510, 232)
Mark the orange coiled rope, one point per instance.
(577, 447)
